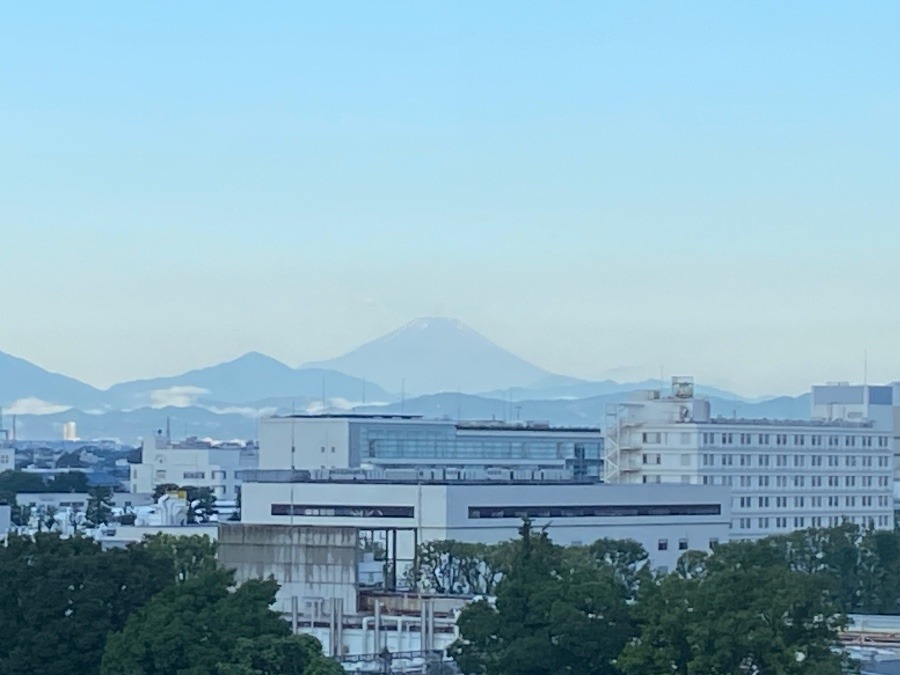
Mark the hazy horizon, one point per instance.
(603, 190)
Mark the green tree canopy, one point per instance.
(61, 597)
(190, 555)
(192, 628)
(740, 610)
(555, 612)
(279, 655)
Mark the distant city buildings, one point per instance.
(69, 431)
(192, 462)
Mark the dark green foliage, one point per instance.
(455, 567)
(190, 556)
(71, 481)
(60, 598)
(191, 628)
(740, 610)
(279, 655)
(70, 460)
(99, 506)
(555, 612)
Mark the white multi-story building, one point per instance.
(783, 474)
(192, 463)
(409, 441)
(879, 404)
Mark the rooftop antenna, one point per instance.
(294, 599)
(865, 367)
(168, 428)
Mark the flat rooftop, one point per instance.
(819, 424)
(350, 416)
(463, 425)
(379, 478)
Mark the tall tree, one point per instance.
(736, 613)
(61, 597)
(554, 613)
(99, 506)
(455, 567)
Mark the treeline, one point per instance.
(160, 607)
(14, 482)
(771, 606)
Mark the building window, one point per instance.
(662, 545)
(713, 542)
(595, 511)
(194, 475)
(682, 544)
(323, 510)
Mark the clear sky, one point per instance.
(604, 188)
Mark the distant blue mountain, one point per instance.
(250, 377)
(20, 379)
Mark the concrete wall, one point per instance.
(319, 442)
(309, 563)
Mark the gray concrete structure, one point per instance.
(313, 565)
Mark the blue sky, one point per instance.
(603, 188)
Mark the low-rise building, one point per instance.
(666, 519)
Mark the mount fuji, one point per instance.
(435, 354)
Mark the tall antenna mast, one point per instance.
(865, 366)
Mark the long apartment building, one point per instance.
(410, 442)
(784, 475)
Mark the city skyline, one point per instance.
(603, 192)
